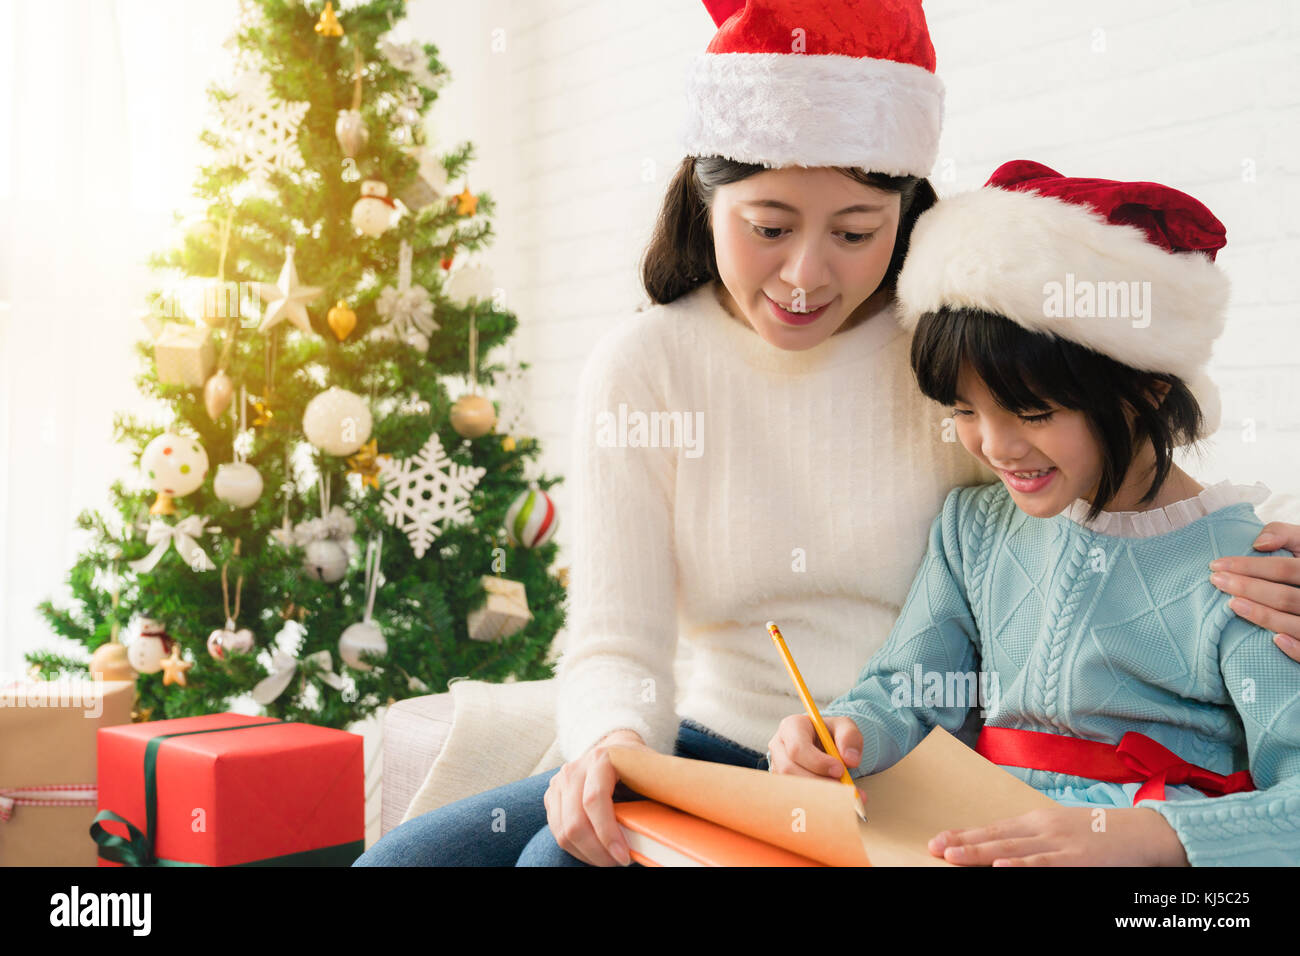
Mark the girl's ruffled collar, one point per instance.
(1158, 521)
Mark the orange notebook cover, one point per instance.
(658, 835)
(720, 815)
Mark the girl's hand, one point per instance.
(796, 748)
(580, 804)
(1267, 589)
(1067, 836)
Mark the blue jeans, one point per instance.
(507, 826)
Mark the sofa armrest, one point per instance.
(415, 730)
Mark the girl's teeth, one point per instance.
(1031, 474)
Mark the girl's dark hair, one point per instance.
(1027, 372)
(680, 255)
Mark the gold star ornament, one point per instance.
(174, 667)
(466, 203)
(366, 463)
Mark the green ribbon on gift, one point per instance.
(137, 850)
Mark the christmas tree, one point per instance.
(362, 529)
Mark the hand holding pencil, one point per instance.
(795, 746)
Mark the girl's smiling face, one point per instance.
(1058, 441)
(801, 250)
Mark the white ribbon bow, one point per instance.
(337, 526)
(162, 536)
(283, 667)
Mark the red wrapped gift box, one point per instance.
(230, 789)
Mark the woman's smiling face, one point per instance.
(800, 250)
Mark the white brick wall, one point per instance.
(576, 123)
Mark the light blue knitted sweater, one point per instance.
(1093, 635)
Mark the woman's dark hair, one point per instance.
(680, 256)
(1028, 372)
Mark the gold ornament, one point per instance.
(109, 662)
(508, 443)
(142, 715)
(563, 575)
(328, 25)
(366, 463)
(174, 667)
(342, 320)
(217, 394)
(262, 414)
(473, 416)
(293, 611)
(466, 203)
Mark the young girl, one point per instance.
(1119, 675)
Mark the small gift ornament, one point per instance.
(373, 212)
(504, 612)
(429, 184)
(184, 354)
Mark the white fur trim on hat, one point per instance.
(1021, 255)
(791, 109)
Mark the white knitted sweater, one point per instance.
(797, 487)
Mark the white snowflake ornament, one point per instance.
(511, 390)
(261, 130)
(427, 492)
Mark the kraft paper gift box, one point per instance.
(230, 790)
(504, 612)
(184, 354)
(47, 767)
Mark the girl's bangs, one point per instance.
(1001, 353)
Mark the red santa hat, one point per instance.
(1125, 269)
(829, 83)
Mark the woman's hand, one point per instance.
(1267, 589)
(1067, 836)
(796, 748)
(580, 803)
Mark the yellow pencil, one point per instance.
(828, 744)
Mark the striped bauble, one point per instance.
(532, 519)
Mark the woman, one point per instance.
(753, 446)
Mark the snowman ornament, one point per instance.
(150, 646)
(373, 213)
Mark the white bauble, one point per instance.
(468, 283)
(359, 638)
(174, 464)
(238, 483)
(326, 561)
(146, 654)
(337, 421)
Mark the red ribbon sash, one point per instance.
(1135, 758)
